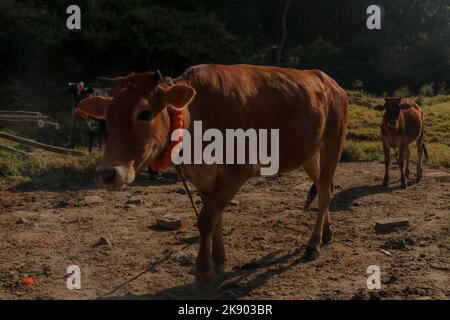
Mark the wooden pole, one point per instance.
(4, 123)
(13, 150)
(18, 113)
(24, 117)
(42, 146)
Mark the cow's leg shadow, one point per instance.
(234, 284)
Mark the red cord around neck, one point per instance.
(166, 159)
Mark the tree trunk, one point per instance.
(284, 32)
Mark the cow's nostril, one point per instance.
(107, 176)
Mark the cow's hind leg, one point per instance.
(407, 157)
(387, 163)
(312, 168)
(401, 165)
(329, 158)
(419, 172)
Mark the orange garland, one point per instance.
(166, 159)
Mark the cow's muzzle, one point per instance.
(392, 124)
(113, 178)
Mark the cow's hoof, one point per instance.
(327, 236)
(311, 253)
(403, 186)
(205, 275)
(385, 184)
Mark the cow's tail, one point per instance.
(425, 151)
(312, 194)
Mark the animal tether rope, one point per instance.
(177, 123)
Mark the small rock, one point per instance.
(130, 206)
(22, 220)
(169, 223)
(135, 201)
(389, 225)
(92, 199)
(61, 204)
(181, 191)
(103, 241)
(234, 202)
(386, 252)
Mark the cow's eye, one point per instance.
(144, 115)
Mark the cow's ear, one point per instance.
(179, 95)
(94, 107)
(379, 107)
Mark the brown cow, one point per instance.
(308, 108)
(402, 124)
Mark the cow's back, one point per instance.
(412, 123)
(306, 106)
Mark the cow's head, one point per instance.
(138, 123)
(392, 107)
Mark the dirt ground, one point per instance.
(42, 232)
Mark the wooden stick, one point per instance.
(11, 149)
(29, 113)
(21, 123)
(23, 117)
(39, 145)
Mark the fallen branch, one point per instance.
(39, 145)
(11, 149)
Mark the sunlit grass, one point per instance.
(364, 134)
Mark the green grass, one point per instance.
(46, 170)
(364, 134)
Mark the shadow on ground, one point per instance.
(235, 284)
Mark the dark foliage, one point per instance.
(412, 48)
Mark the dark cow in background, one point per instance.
(402, 125)
(95, 124)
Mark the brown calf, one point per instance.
(308, 108)
(402, 125)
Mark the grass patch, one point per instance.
(47, 170)
(364, 134)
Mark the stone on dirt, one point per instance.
(181, 191)
(92, 199)
(390, 225)
(169, 222)
(22, 220)
(234, 202)
(135, 201)
(103, 241)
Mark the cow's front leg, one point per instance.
(401, 165)
(218, 250)
(387, 163)
(211, 255)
